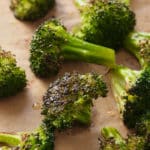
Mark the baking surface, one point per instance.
(17, 113)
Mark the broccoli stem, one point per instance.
(10, 139)
(112, 133)
(122, 79)
(132, 44)
(76, 49)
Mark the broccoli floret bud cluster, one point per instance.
(30, 9)
(12, 77)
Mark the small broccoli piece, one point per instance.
(143, 125)
(51, 44)
(131, 90)
(68, 100)
(40, 139)
(105, 23)
(138, 43)
(31, 9)
(111, 139)
(12, 78)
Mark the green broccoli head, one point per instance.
(131, 90)
(138, 43)
(69, 99)
(51, 44)
(106, 23)
(12, 78)
(45, 58)
(111, 139)
(31, 9)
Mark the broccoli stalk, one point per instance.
(138, 43)
(111, 139)
(12, 78)
(67, 101)
(131, 90)
(29, 9)
(51, 44)
(11, 139)
(105, 23)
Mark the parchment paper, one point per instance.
(17, 113)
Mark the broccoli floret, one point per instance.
(131, 90)
(31, 9)
(138, 43)
(68, 100)
(111, 139)
(105, 22)
(51, 44)
(40, 139)
(12, 78)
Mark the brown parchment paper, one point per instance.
(17, 113)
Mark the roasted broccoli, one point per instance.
(111, 139)
(67, 101)
(105, 22)
(40, 139)
(142, 127)
(51, 44)
(31, 9)
(138, 43)
(12, 78)
(131, 90)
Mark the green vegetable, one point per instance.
(69, 99)
(131, 90)
(51, 44)
(31, 9)
(111, 139)
(105, 23)
(40, 139)
(138, 43)
(12, 78)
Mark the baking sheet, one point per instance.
(17, 113)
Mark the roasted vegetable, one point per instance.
(105, 23)
(131, 90)
(69, 99)
(40, 139)
(138, 43)
(51, 44)
(111, 139)
(12, 78)
(31, 9)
